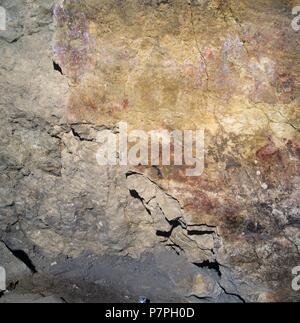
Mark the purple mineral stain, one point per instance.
(74, 57)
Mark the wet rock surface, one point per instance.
(73, 69)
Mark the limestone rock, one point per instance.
(13, 269)
(73, 69)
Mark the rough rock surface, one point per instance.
(75, 68)
(13, 268)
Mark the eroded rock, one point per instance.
(220, 66)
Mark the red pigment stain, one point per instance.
(209, 53)
(267, 151)
(119, 107)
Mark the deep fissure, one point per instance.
(57, 68)
(214, 265)
(22, 256)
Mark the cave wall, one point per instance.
(73, 69)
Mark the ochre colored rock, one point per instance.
(231, 68)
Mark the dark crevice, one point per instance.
(203, 298)
(198, 232)
(22, 256)
(202, 225)
(174, 223)
(233, 294)
(57, 68)
(77, 135)
(13, 285)
(210, 265)
(167, 234)
(13, 41)
(175, 247)
(159, 173)
(136, 195)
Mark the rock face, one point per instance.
(12, 268)
(71, 70)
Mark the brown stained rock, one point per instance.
(226, 78)
(229, 67)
